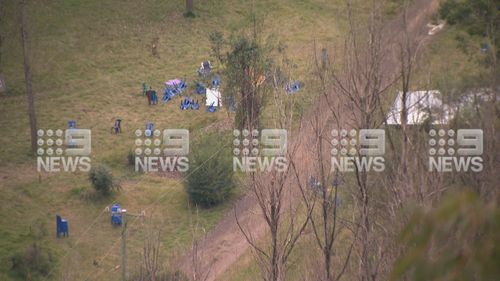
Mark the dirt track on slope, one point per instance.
(225, 243)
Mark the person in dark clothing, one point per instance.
(150, 94)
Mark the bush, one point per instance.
(210, 175)
(32, 261)
(101, 179)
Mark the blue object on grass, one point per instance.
(293, 87)
(149, 129)
(168, 94)
(116, 214)
(61, 226)
(200, 89)
(314, 183)
(185, 103)
(211, 108)
(216, 81)
(195, 105)
(71, 126)
(182, 86)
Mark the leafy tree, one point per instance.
(478, 18)
(246, 65)
(210, 177)
(458, 240)
(35, 260)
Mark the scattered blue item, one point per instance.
(211, 108)
(61, 226)
(168, 94)
(195, 105)
(314, 183)
(149, 129)
(116, 214)
(71, 124)
(293, 87)
(182, 86)
(185, 104)
(200, 89)
(166, 97)
(173, 90)
(216, 81)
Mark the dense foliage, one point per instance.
(101, 179)
(477, 17)
(210, 175)
(246, 62)
(458, 240)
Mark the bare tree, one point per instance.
(281, 219)
(359, 82)
(198, 270)
(28, 77)
(151, 255)
(320, 193)
(275, 191)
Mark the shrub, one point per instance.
(189, 14)
(101, 179)
(210, 176)
(32, 261)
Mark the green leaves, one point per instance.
(210, 175)
(455, 241)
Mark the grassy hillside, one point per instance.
(441, 65)
(89, 59)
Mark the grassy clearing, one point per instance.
(89, 59)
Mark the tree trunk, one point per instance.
(189, 6)
(28, 79)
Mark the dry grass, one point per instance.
(89, 59)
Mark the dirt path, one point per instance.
(225, 243)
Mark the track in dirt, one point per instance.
(225, 243)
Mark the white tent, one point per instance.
(213, 97)
(419, 105)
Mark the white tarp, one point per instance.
(213, 97)
(419, 105)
